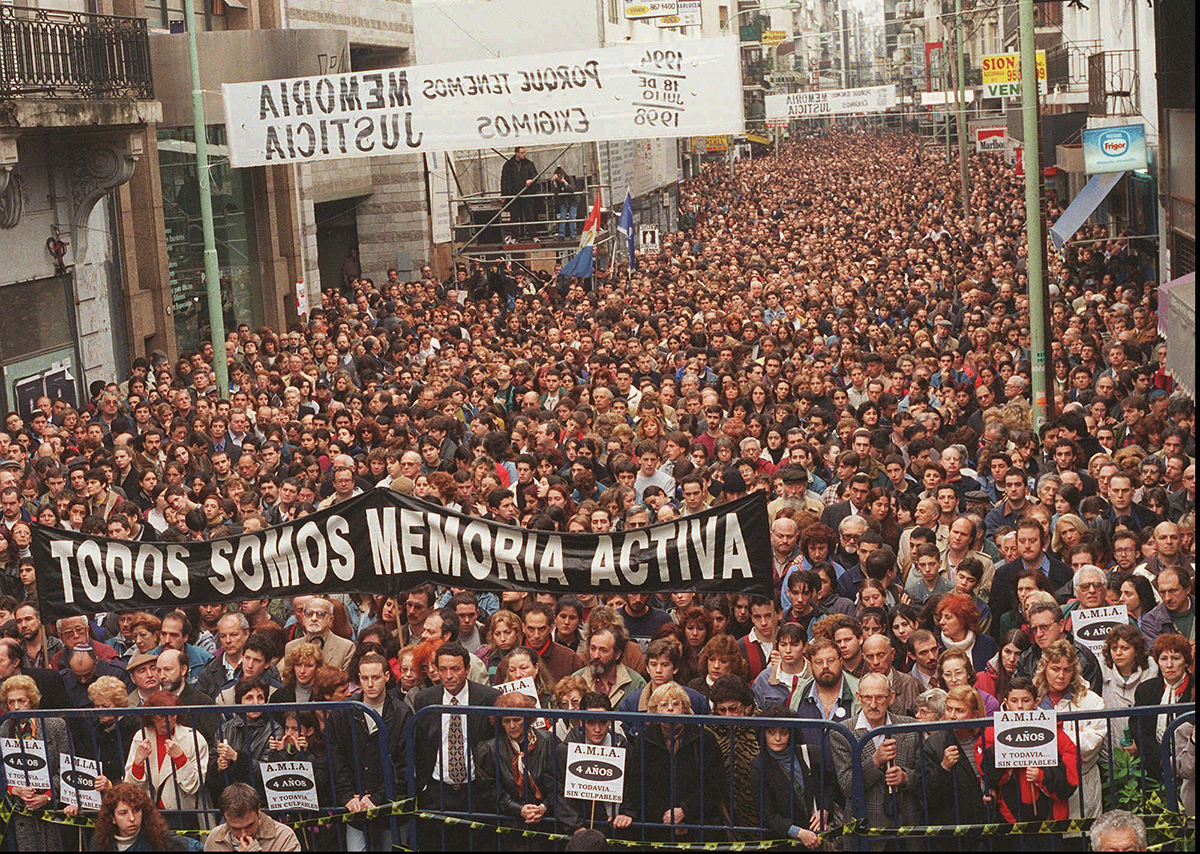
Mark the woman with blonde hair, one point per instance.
(954, 792)
(505, 633)
(686, 775)
(106, 738)
(296, 671)
(1061, 686)
(1068, 531)
(20, 694)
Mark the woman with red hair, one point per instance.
(128, 821)
(1173, 655)
(958, 619)
(168, 758)
(697, 625)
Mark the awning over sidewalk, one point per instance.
(1085, 204)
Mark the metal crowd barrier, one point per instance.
(1106, 766)
(731, 808)
(111, 746)
(718, 823)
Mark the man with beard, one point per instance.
(604, 672)
(828, 696)
(173, 673)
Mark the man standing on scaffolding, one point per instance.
(516, 181)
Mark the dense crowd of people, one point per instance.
(826, 329)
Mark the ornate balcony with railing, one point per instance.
(1113, 83)
(55, 55)
(1067, 65)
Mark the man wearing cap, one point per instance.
(733, 486)
(943, 337)
(143, 672)
(796, 493)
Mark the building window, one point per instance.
(41, 311)
(168, 14)
(235, 225)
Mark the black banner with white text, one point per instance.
(384, 542)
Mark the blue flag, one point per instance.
(580, 265)
(625, 225)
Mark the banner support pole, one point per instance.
(212, 273)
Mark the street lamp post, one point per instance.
(961, 98)
(1043, 404)
(212, 275)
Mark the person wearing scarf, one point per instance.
(20, 694)
(789, 789)
(958, 619)
(955, 787)
(1173, 685)
(516, 768)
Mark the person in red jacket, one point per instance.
(1028, 794)
(758, 647)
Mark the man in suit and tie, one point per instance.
(1032, 554)
(317, 619)
(855, 503)
(891, 782)
(447, 780)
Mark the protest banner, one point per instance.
(648, 239)
(806, 105)
(1091, 625)
(77, 781)
(684, 88)
(385, 542)
(1026, 739)
(525, 685)
(595, 772)
(25, 762)
(289, 785)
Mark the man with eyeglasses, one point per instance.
(317, 619)
(1046, 625)
(891, 781)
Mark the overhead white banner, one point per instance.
(686, 88)
(805, 105)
